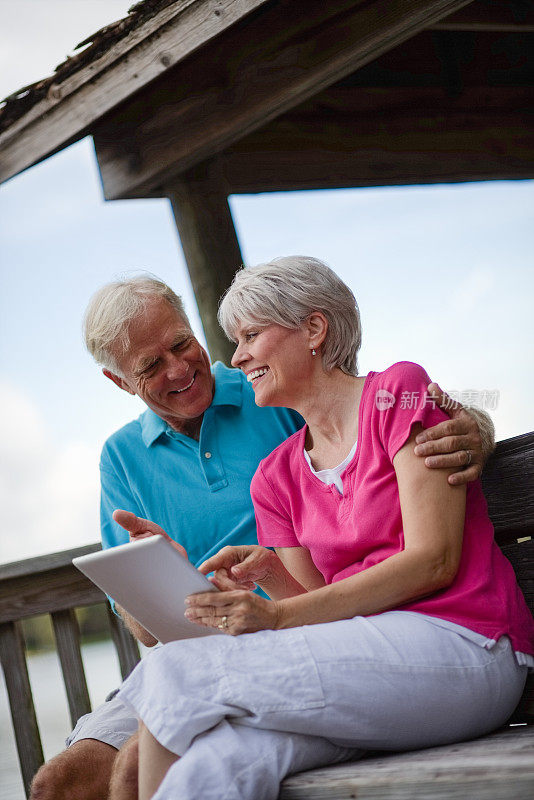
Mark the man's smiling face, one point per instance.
(167, 367)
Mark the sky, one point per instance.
(443, 276)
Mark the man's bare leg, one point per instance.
(82, 772)
(154, 763)
(124, 778)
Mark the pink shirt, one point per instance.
(348, 533)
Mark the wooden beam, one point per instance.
(274, 60)
(200, 204)
(484, 27)
(310, 170)
(73, 105)
(489, 17)
(39, 564)
(485, 63)
(368, 136)
(46, 583)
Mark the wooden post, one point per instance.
(200, 204)
(67, 633)
(13, 657)
(125, 644)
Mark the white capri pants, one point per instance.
(244, 712)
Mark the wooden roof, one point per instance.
(86, 52)
(287, 94)
(118, 61)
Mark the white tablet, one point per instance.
(150, 579)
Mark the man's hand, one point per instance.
(465, 440)
(140, 528)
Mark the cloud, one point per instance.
(476, 285)
(49, 491)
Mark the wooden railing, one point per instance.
(50, 585)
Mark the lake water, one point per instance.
(103, 675)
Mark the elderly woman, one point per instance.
(394, 620)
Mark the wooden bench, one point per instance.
(495, 767)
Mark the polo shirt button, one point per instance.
(207, 455)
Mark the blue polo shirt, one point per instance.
(199, 492)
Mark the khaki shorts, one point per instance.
(112, 723)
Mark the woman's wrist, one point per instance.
(297, 610)
(278, 583)
(273, 577)
(279, 607)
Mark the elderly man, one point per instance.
(185, 463)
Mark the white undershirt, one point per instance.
(333, 476)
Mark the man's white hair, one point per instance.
(113, 307)
(286, 291)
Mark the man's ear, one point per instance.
(120, 382)
(317, 327)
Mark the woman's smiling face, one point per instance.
(276, 360)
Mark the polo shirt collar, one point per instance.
(228, 386)
(152, 426)
(228, 392)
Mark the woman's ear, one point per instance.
(316, 326)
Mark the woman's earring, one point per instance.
(314, 353)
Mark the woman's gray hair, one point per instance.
(286, 291)
(111, 310)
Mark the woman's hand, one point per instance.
(140, 528)
(245, 566)
(235, 611)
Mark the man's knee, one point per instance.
(82, 772)
(124, 778)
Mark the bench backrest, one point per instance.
(508, 482)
